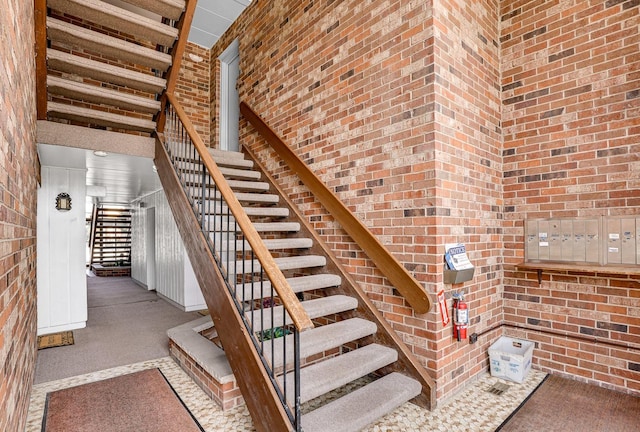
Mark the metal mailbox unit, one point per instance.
(595, 240)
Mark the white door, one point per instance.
(229, 101)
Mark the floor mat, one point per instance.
(560, 404)
(55, 340)
(141, 401)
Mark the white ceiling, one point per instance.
(120, 178)
(212, 18)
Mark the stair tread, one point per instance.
(71, 112)
(107, 45)
(247, 197)
(119, 19)
(284, 263)
(69, 63)
(357, 409)
(276, 244)
(167, 8)
(277, 226)
(319, 339)
(322, 377)
(248, 185)
(240, 173)
(273, 317)
(233, 162)
(256, 290)
(218, 153)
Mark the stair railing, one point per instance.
(92, 232)
(399, 277)
(241, 257)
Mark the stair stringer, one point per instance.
(407, 362)
(259, 395)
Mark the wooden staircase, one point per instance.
(343, 347)
(111, 237)
(105, 65)
(351, 343)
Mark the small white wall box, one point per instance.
(510, 358)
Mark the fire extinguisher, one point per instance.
(460, 316)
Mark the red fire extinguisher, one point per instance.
(460, 316)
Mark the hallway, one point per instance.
(127, 324)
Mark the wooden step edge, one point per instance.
(108, 46)
(84, 67)
(101, 118)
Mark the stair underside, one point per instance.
(112, 16)
(109, 46)
(100, 95)
(84, 67)
(101, 118)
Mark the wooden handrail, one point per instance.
(40, 17)
(298, 315)
(401, 279)
(184, 25)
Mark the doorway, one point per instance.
(229, 100)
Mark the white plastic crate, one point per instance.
(510, 358)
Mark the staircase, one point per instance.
(106, 65)
(111, 237)
(350, 345)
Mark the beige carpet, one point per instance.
(141, 401)
(560, 405)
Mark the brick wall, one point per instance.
(17, 213)
(468, 152)
(396, 106)
(192, 88)
(571, 103)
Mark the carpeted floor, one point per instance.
(141, 401)
(127, 324)
(561, 404)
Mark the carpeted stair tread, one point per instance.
(357, 409)
(325, 376)
(240, 174)
(73, 64)
(273, 317)
(243, 197)
(297, 284)
(117, 18)
(229, 154)
(256, 186)
(284, 263)
(101, 95)
(232, 161)
(319, 339)
(274, 244)
(167, 8)
(109, 46)
(72, 112)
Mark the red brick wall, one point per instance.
(192, 88)
(396, 107)
(17, 214)
(571, 109)
(468, 151)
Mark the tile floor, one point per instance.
(473, 409)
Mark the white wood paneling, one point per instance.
(172, 276)
(61, 271)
